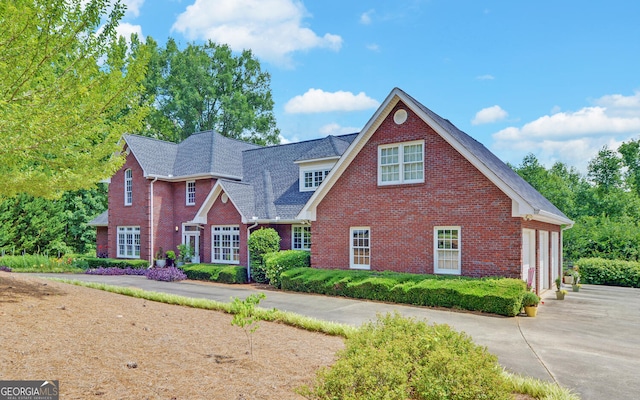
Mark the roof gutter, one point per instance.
(171, 178)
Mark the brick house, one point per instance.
(409, 193)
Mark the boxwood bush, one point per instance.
(599, 271)
(401, 358)
(216, 273)
(276, 263)
(501, 296)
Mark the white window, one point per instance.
(360, 247)
(128, 242)
(401, 163)
(191, 193)
(225, 244)
(313, 179)
(301, 237)
(128, 187)
(446, 253)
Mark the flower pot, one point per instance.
(531, 311)
(559, 295)
(568, 279)
(576, 288)
(161, 263)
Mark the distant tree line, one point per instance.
(604, 203)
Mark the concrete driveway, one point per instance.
(589, 342)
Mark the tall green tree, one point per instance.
(205, 87)
(630, 152)
(68, 91)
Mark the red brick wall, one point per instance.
(223, 214)
(102, 240)
(136, 214)
(402, 217)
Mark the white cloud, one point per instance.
(133, 7)
(373, 47)
(485, 77)
(574, 137)
(126, 29)
(365, 18)
(317, 101)
(272, 29)
(336, 129)
(489, 115)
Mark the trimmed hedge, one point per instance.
(95, 262)
(599, 271)
(216, 273)
(501, 296)
(276, 263)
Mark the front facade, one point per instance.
(409, 193)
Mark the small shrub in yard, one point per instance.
(401, 358)
(276, 263)
(245, 316)
(261, 242)
(216, 273)
(168, 274)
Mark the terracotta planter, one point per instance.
(559, 295)
(531, 311)
(568, 279)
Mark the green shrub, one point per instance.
(261, 242)
(216, 273)
(493, 295)
(401, 358)
(95, 262)
(599, 271)
(276, 263)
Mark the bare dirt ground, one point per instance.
(101, 345)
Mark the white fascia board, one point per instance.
(312, 160)
(191, 177)
(545, 216)
(308, 212)
(201, 215)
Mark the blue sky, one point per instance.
(559, 79)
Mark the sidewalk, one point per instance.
(589, 342)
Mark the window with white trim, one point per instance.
(191, 193)
(128, 187)
(128, 242)
(313, 179)
(225, 244)
(446, 253)
(301, 237)
(360, 248)
(401, 163)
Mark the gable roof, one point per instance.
(269, 190)
(201, 154)
(526, 201)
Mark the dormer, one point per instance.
(316, 163)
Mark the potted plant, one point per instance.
(530, 302)
(171, 258)
(576, 279)
(560, 292)
(160, 260)
(568, 277)
(185, 253)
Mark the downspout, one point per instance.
(249, 252)
(151, 222)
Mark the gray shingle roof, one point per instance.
(100, 220)
(204, 153)
(536, 200)
(274, 176)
